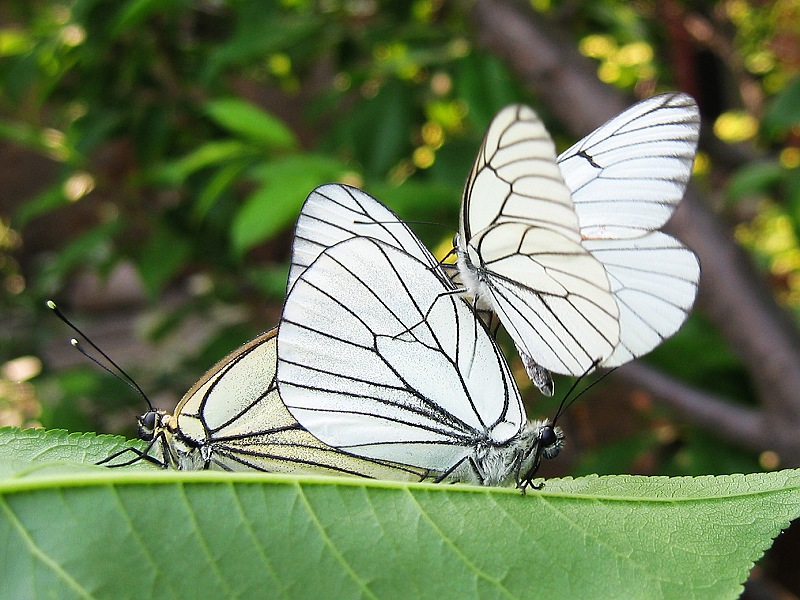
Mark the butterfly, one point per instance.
(566, 251)
(379, 355)
(233, 419)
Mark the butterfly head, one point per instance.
(551, 440)
(152, 423)
(542, 440)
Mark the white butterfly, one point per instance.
(334, 213)
(233, 419)
(380, 357)
(564, 250)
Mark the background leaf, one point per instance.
(250, 122)
(116, 534)
(784, 112)
(285, 183)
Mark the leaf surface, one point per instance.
(112, 533)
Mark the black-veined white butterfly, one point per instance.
(566, 251)
(233, 419)
(379, 356)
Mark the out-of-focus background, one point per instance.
(154, 156)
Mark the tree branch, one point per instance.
(739, 425)
(731, 293)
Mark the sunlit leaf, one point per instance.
(114, 534)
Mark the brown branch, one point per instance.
(732, 293)
(737, 424)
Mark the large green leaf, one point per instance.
(106, 533)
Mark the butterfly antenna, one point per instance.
(433, 223)
(119, 373)
(452, 252)
(566, 404)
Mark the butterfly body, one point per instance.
(513, 461)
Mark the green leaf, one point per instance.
(754, 179)
(250, 122)
(25, 135)
(376, 132)
(115, 534)
(134, 12)
(50, 199)
(261, 29)
(29, 452)
(270, 280)
(784, 112)
(285, 183)
(486, 84)
(209, 154)
(210, 193)
(92, 248)
(161, 256)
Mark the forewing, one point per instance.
(654, 279)
(377, 359)
(235, 413)
(336, 212)
(627, 177)
(516, 178)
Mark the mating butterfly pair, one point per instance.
(382, 364)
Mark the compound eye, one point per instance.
(547, 436)
(147, 425)
(149, 419)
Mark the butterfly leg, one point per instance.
(138, 455)
(141, 454)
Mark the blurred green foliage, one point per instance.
(185, 134)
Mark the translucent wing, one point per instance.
(336, 212)
(540, 376)
(654, 280)
(520, 251)
(515, 178)
(234, 419)
(378, 359)
(626, 179)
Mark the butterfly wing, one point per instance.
(234, 419)
(515, 178)
(654, 280)
(376, 358)
(337, 212)
(627, 176)
(626, 179)
(520, 250)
